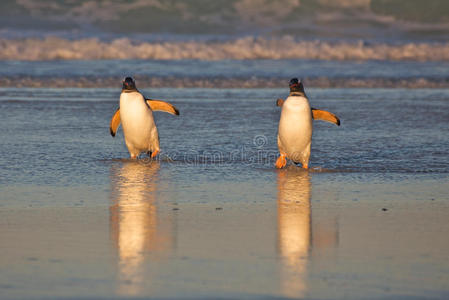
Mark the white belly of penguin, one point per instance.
(295, 129)
(138, 124)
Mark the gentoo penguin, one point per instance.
(295, 126)
(136, 115)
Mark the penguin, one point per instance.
(295, 126)
(136, 115)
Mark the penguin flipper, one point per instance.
(160, 105)
(115, 123)
(319, 114)
(279, 102)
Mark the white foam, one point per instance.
(52, 48)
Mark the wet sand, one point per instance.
(308, 238)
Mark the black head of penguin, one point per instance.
(129, 84)
(296, 85)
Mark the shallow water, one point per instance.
(60, 136)
(212, 217)
(227, 73)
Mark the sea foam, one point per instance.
(246, 48)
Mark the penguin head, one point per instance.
(296, 85)
(129, 84)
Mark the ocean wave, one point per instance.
(217, 82)
(247, 48)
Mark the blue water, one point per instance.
(227, 69)
(60, 136)
(221, 74)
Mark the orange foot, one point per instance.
(154, 153)
(281, 161)
(305, 166)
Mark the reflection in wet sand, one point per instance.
(135, 226)
(294, 229)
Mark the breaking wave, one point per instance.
(247, 48)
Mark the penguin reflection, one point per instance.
(135, 227)
(294, 229)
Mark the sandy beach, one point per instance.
(211, 217)
(338, 240)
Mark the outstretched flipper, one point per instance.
(160, 105)
(115, 123)
(155, 105)
(319, 114)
